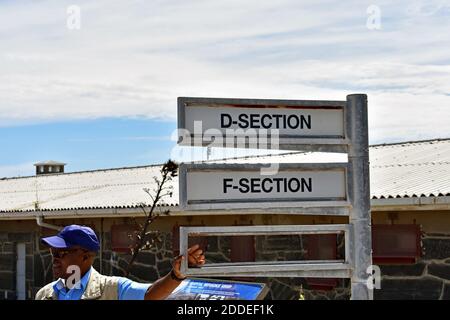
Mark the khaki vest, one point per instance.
(99, 287)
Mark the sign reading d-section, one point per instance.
(234, 186)
(260, 123)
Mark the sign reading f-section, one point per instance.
(259, 123)
(231, 186)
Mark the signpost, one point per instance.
(316, 125)
(330, 189)
(241, 186)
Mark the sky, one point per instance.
(104, 95)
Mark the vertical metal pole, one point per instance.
(184, 242)
(358, 158)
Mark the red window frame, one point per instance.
(321, 247)
(396, 243)
(243, 249)
(120, 237)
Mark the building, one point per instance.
(410, 201)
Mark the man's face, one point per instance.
(63, 258)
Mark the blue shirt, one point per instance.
(127, 289)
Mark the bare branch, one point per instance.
(168, 171)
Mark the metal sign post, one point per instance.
(327, 189)
(360, 217)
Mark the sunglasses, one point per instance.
(62, 253)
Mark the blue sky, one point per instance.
(105, 95)
(88, 144)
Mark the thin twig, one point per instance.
(168, 171)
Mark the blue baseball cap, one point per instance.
(74, 235)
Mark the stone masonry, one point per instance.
(429, 278)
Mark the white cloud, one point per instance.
(133, 58)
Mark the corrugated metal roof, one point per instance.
(412, 169)
(112, 188)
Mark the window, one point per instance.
(321, 247)
(396, 244)
(243, 249)
(123, 237)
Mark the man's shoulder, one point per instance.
(45, 291)
(104, 281)
(105, 278)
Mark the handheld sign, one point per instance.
(210, 289)
(260, 123)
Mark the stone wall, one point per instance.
(8, 252)
(429, 278)
(42, 264)
(274, 248)
(149, 266)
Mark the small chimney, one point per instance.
(49, 167)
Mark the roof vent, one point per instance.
(49, 167)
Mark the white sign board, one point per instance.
(219, 186)
(258, 123)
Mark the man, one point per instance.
(74, 250)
